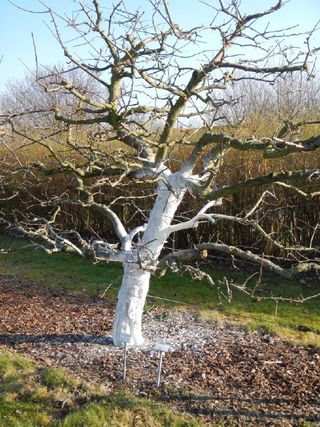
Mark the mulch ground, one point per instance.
(212, 371)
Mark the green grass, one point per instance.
(59, 270)
(74, 274)
(31, 395)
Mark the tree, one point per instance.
(155, 76)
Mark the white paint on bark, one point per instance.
(136, 278)
(131, 300)
(170, 195)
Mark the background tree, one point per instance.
(154, 76)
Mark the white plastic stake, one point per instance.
(162, 348)
(159, 368)
(125, 362)
(126, 339)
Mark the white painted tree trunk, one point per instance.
(136, 279)
(131, 300)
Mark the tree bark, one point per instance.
(136, 277)
(131, 300)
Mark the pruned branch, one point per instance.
(200, 252)
(261, 181)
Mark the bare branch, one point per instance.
(260, 181)
(200, 252)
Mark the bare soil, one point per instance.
(214, 371)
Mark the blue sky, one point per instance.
(17, 26)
